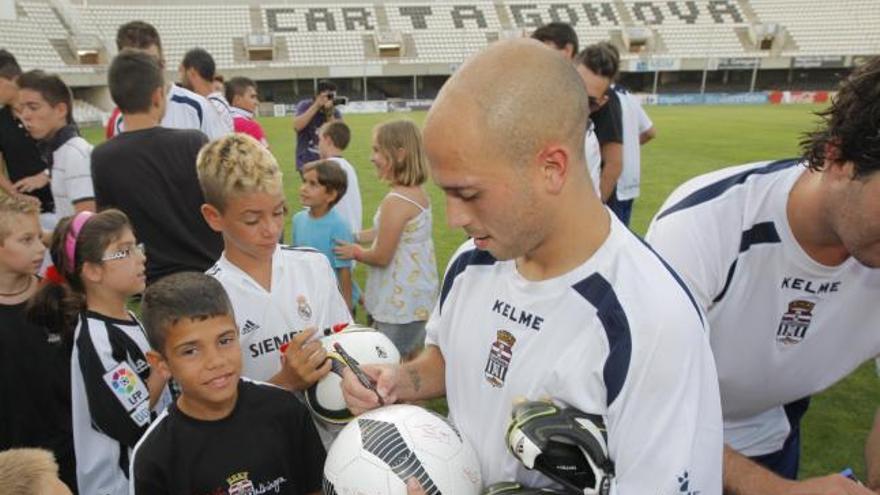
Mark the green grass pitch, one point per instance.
(691, 140)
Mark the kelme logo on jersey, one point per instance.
(795, 322)
(239, 484)
(499, 358)
(302, 307)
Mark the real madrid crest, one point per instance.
(795, 322)
(500, 355)
(303, 308)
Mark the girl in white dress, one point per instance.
(402, 283)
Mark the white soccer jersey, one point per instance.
(593, 153)
(618, 336)
(350, 206)
(224, 111)
(783, 326)
(635, 122)
(109, 400)
(71, 176)
(304, 294)
(186, 110)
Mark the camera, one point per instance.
(337, 100)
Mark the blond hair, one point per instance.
(403, 135)
(24, 471)
(236, 164)
(15, 205)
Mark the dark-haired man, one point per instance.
(311, 114)
(558, 35)
(241, 93)
(149, 172)
(784, 256)
(598, 65)
(562, 38)
(185, 109)
(197, 72)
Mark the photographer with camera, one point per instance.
(311, 114)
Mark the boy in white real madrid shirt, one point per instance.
(552, 297)
(281, 295)
(784, 256)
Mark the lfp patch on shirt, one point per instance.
(127, 386)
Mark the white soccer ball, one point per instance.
(377, 452)
(366, 345)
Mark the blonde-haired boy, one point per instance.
(30, 472)
(15, 205)
(32, 358)
(280, 295)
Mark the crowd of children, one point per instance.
(143, 367)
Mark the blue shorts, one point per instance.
(622, 209)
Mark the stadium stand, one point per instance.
(84, 113)
(212, 27)
(316, 33)
(29, 40)
(444, 31)
(407, 47)
(307, 34)
(688, 29)
(591, 24)
(825, 28)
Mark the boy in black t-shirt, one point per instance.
(223, 434)
(149, 172)
(26, 171)
(34, 362)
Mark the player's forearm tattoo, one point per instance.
(415, 379)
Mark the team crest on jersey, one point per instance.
(499, 358)
(795, 322)
(239, 484)
(303, 308)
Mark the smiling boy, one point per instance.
(223, 433)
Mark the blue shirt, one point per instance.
(322, 234)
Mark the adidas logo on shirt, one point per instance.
(249, 327)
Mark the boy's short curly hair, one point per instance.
(15, 205)
(236, 164)
(850, 130)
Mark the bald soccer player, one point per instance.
(552, 296)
